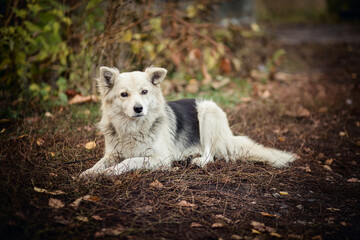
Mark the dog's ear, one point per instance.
(156, 75)
(107, 78)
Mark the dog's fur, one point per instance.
(149, 133)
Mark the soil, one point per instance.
(310, 108)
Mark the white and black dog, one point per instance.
(149, 133)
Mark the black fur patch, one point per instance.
(187, 122)
(110, 130)
(155, 76)
(108, 76)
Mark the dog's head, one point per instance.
(133, 94)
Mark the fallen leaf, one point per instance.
(90, 145)
(92, 199)
(184, 203)
(220, 84)
(223, 218)
(255, 231)
(144, 210)
(299, 112)
(61, 220)
(225, 65)
(97, 217)
(217, 225)
(274, 234)
(195, 225)
(317, 237)
(82, 219)
(52, 154)
(76, 203)
(327, 167)
(56, 203)
(48, 115)
(156, 184)
(268, 214)
(333, 209)
(235, 237)
(258, 226)
(281, 139)
(3, 130)
(40, 141)
(342, 134)
(284, 193)
(353, 180)
(41, 190)
(329, 161)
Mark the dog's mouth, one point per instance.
(138, 115)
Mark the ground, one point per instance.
(310, 108)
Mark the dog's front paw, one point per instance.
(87, 174)
(200, 161)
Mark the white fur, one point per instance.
(147, 140)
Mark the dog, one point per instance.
(149, 133)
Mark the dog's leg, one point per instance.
(137, 163)
(99, 167)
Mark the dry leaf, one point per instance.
(317, 237)
(184, 203)
(76, 203)
(40, 141)
(225, 65)
(329, 161)
(56, 203)
(3, 130)
(333, 209)
(268, 214)
(52, 154)
(274, 234)
(156, 184)
(217, 225)
(61, 220)
(196, 225)
(144, 210)
(90, 145)
(342, 134)
(82, 219)
(353, 180)
(235, 237)
(49, 115)
(284, 193)
(223, 218)
(41, 190)
(327, 167)
(255, 231)
(299, 112)
(97, 217)
(281, 139)
(258, 226)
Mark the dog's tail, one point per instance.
(249, 150)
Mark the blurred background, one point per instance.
(51, 50)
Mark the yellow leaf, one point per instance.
(3, 130)
(184, 203)
(90, 145)
(156, 184)
(40, 141)
(268, 214)
(195, 225)
(281, 139)
(217, 225)
(255, 231)
(56, 203)
(83, 219)
(275, 235)
(284, 193)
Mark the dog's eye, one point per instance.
(124, 94)
(144, 92)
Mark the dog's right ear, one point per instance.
(107, 78)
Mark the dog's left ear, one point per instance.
(156, 75)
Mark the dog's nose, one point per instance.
(138, 109)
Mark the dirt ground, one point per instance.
(311, 108)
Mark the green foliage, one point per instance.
(32, 46)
